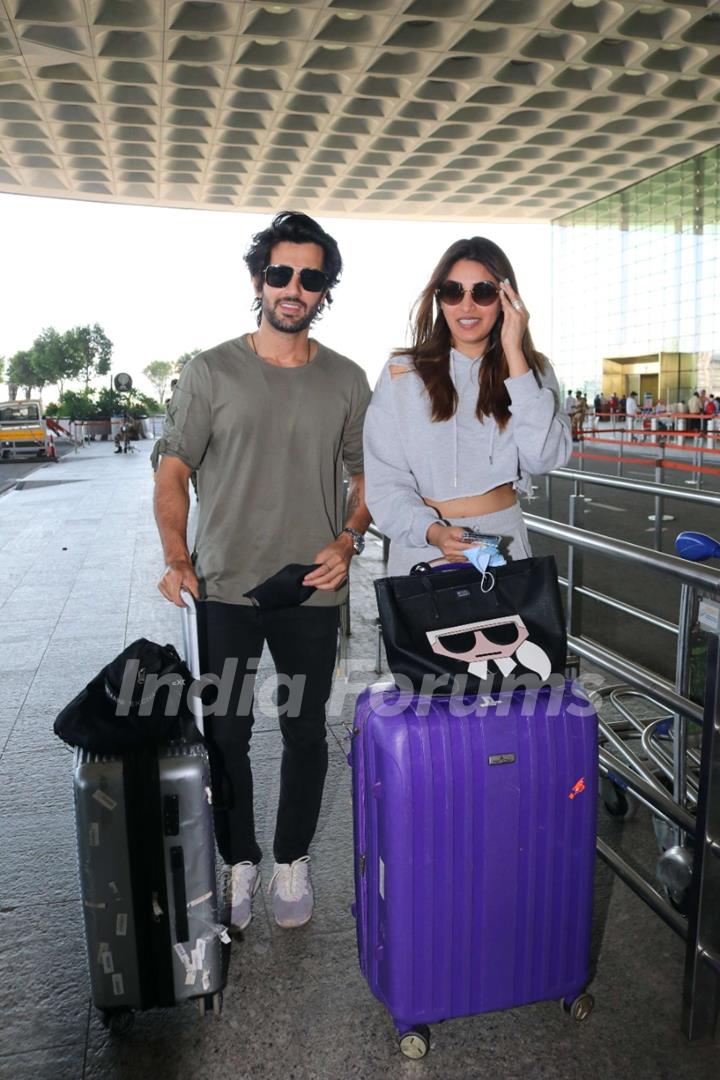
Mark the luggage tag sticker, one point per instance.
(104, 799)
(182, 954)
(118, 985)
(208, 795)
(577, 788)
(114, 889)
(107, 962)
(206, 981)
(94, 834)
(95, 906)
(216, 928)
(200, 899)
(103, 947)
(121, 924)
(381, 882)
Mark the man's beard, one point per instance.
(290, 326)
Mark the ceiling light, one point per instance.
(349, 16)
(585, 3)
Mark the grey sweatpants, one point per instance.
(507, 524)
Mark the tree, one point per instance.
(21, 373)
(2, 367)
(91, 349)
(158, 375)
(78, 405)
(183, 360)
(48, 356)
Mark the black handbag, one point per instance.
(456, 630)
(139, 699)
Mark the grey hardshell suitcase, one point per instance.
(147, 873)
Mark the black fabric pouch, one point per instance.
(138, 699)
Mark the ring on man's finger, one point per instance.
(517, 304)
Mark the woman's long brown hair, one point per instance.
(430, 349)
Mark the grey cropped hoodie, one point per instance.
(409, 456)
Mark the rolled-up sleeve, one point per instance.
(391, 491)
(352, 438)
(186, 433)
(541, 429)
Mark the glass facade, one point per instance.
(636, 287)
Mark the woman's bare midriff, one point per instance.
(500, 498)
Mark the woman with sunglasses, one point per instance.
(460, 422)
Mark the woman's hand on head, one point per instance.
(515, 323)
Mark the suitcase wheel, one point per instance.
(416, 1042)
(579, 1008)
(210, 1003)
(118, 1021)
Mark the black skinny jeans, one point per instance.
(302, 642)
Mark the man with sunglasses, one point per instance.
(269, 420)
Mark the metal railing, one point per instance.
(701, 928)
(658, 490)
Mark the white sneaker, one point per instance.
(292, 893)
(242, 882)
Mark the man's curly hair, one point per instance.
(295, 228)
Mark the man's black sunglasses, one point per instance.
(278, 276)
(483, 293)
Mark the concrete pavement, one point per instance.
(79, 558)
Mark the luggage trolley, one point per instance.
(643, 733)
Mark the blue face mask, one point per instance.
(484, 554)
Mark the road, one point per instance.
(12, 471)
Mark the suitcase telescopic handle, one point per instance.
(191, 649)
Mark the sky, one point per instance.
(163, 281)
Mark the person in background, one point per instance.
(461, 421)
(631, 411)
(570, 405)
(708, 410)
(694, 406)
(579, 416)
(663, 421)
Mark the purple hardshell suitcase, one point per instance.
(474, 851)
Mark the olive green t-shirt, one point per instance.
(269, 445)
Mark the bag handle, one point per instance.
(436, 565)
(427, 572)
(191, 649)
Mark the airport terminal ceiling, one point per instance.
(428, 109)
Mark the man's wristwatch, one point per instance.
(357, 538)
